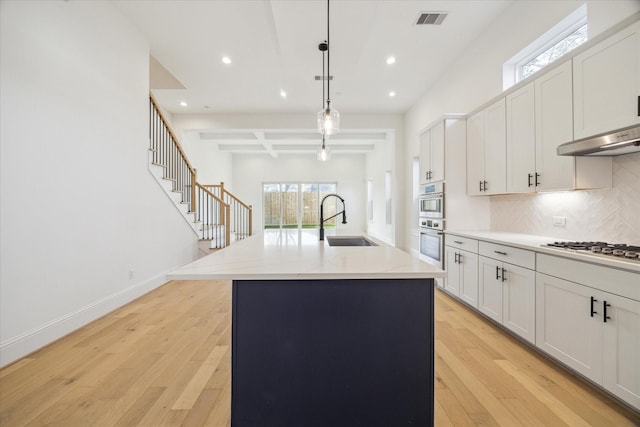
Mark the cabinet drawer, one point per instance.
(521, 257)
(619, 282)
(460, 242)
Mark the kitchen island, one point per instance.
(326, 335)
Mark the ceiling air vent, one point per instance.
(431, 18)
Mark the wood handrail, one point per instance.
(225, 191)
(175, 138)
(216, 198)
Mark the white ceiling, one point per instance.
(274, 46)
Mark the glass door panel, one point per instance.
(271, 203)
(289, 205)
(297, 205)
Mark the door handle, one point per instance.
(459, 258)
(537, 176)
(529, 176)
(480, 185)
(497, 272)
(592, 311)
(503, 276)
(604, 308)
(485, 185)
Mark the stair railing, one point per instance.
(214, 216)
(216, 209)
(241, 214)
(168, 153)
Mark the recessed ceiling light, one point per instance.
(183, 104)
(392, 93)
(283, 94)
(226, 60)
(391, 60)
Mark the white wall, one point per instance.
(377, 163)
(347, 170)
(476, 76)
(79, 207)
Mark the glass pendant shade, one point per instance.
(324, 154)
(328, 121)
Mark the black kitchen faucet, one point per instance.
(322, 220)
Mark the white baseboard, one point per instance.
(22, 345)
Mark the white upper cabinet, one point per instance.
(432, 154)
(539, 118)
(487, 151)
(521, 141)
(437, 152)
(475, 154)
(606, 83)
(554, 126)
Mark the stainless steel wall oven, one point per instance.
(431, 202)
(431, 224)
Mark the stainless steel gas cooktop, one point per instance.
(618, 250)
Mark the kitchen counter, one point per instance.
(298, 254)
(326, 335)
(536, 243)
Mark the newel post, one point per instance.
(193, 189)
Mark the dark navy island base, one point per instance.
(347, 352)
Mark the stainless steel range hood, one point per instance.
(616, 143)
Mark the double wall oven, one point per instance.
(431, 224)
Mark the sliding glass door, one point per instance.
(296, 205)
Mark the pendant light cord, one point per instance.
(323, 80)
(328, 62)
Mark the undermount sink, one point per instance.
(349, 241)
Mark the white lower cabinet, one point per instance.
(461, 260)
(594, 332)
(462, 275)
(586, 316)
(621, 349)
(507, 295)
(564, 326)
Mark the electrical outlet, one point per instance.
(559, 221)
(132, 273)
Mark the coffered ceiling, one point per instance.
(273, 47)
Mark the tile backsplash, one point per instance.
(611, 215)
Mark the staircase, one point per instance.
(216, 216)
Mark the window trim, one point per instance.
(511, 70)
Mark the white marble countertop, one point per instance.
(299, 254)
(536, 243)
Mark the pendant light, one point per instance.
(328, 118)
(324, 153)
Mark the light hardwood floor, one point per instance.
(164, 360)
